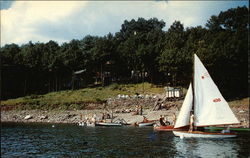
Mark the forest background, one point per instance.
(140, 52)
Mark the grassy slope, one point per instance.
(75, 99)
(240, 103)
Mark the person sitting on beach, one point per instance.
(103, 117)
(108, 116)
(161, 121)
(136, 111)
(87, 122)
(93, 118)
(145, 119)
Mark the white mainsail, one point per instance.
(183, 117)
(210, 108)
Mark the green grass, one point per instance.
(77, 99)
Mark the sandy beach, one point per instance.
(74, 116)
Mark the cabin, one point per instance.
(78, 79)
(173, 93)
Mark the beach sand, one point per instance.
(74, 116)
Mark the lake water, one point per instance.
(67, 140)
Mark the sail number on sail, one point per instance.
(205, 75)
(217, 100)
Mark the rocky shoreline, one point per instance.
(121, 109)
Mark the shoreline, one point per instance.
(74, 116)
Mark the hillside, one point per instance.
(79, 99)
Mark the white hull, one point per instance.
(90, 124)
(146, 124)
(108, 124)
(197, 134)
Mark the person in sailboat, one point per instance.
(191, 122)
(166, 121)
(227, 130)
(174, 118)
(162, 123)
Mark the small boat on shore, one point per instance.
(149, 123)
(108, 124)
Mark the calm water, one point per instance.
(63, 140)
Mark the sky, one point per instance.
(62, 21)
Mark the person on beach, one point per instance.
(103, 117)
(108, 116)
(145, 119)
(191, 123)
(136, 112)
(94, 118)
(140, 110)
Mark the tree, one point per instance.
(9, 54)
(172, 56)
(139, 43)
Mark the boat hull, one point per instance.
(164, 128)
(231, 129)
(108, 124)
(199, 134)
(143, 124)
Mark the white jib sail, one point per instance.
(209, 106)
(184, 114)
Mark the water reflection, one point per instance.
(206, 147)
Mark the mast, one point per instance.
(193, 103)
(193, 84)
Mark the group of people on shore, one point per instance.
(92, 119)
(88, 120)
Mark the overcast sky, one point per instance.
(62, 21)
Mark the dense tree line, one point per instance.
(140, 51)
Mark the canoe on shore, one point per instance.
(108, 124)
(142, 124)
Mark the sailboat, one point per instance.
(204, 99)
